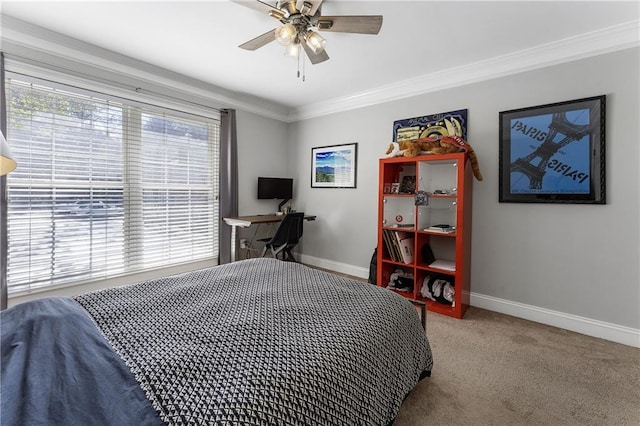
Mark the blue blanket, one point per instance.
(57, 369)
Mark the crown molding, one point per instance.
(35, 45)
(595, 43)
(28, 41)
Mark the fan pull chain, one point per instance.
(301, 58)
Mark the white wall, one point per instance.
(569, 265)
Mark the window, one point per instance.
(104, 186)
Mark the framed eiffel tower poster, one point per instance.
(554, 153)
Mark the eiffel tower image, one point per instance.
(548, 148)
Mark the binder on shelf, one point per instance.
(405, 244)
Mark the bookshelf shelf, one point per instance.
(441, 234)
(447, 181)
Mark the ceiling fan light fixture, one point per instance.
(286, 34)
(300, 22)
(305, 8)
(292, 50)
(315, 41)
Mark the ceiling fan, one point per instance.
(301, 22)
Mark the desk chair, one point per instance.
(285, 238)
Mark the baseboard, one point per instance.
(331, 265)
(603, 330)
(590, 327)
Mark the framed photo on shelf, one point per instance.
(395, 187)
(553, 153)
(334, 166)
(386, 189)
(408, 185)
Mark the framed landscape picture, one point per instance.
(334, 166)
(553, 153)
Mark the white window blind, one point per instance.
(105, 187)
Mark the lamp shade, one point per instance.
(7, 163)
(286, 34)
(315, 41)
(292, 50)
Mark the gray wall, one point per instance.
(262, 151)
(580, 260)
(578, 263)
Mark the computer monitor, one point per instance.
(275, 189)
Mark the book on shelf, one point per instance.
(447, 265)
(445, 228)
(399, 245)
(403, 225)
(388, 242)
(391, 244)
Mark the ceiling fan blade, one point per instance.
(363, 24)
(257, 5)
(315, 58)
(259, 41)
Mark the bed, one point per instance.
(255, 342)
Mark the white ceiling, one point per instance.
(418, 39)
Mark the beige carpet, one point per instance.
(493, 369)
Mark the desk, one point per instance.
(246, 221)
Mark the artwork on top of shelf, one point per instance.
(452, 123)
(334, 166)
(553, 153)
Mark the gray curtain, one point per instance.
(3, 197)
(228, 180)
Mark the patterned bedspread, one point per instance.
(262, 342)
